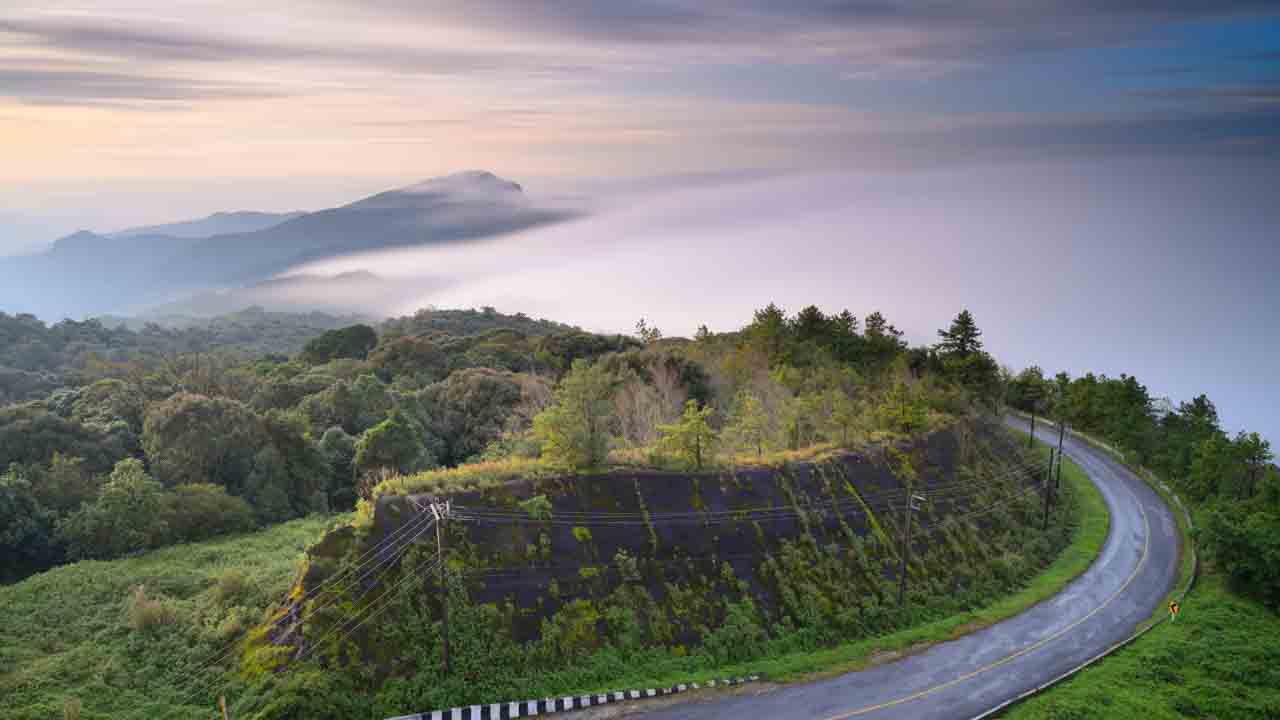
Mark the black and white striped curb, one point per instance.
(547, 706)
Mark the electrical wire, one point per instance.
(376, 567)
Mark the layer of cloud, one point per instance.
(53, 86)
(1103, 265)
(872, 30)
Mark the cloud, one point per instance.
(61, 87)
(1105, 265)
(1219, 93)
(888, 30)
(130, 40)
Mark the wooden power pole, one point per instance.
(1048, 489)
(1062, 432)
(441, 512)
(913, 504)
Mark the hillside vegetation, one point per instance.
(114, 637)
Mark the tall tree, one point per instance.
(127, 516)
(962, 339)
(769, 330)
(748, 425)
(196, 439)
(26, 530)
(844, 413)
(1255, 453)
(691, 438)
(349, 342)
(574, 430)
(646, 332)
(392, 445)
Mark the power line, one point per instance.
(202, 676)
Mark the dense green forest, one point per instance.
(131, 440)
(1230, 480)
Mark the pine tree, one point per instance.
(962, 338)
(692, 437)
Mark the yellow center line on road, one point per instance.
(1146, 545)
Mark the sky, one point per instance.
(925, 155)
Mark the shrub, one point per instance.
(126, 517)
(229, 586)
(231, 626)
(199, 511)
(147, 614)
(71, 709)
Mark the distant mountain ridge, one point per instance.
(90, 273)
(219, 223)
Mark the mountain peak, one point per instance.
(77, 240)
(467, 181)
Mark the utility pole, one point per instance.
(441, 511)
(1048, 490)
(1062, 432)
(222, 705)
(913, 504)
(1031, 441)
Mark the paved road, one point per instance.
(966, 677)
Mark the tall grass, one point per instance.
(120, 637)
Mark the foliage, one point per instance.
(748, 425)
(65, 485)
(26, 529)
(123, 519)
(192, 438)
(574, 431)
(471, 409)
(31, 434)
(962, 338)
(691, 439)
(1230, 478)
(538, 507)
(462, 323)
(201, 511)
(646, 333)
(147, 614)
(67, 632)
(350, 342)
(1245, 540)
(391, 445)
(902, 411)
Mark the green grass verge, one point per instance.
(66, 634)
(1094, 521)
(1220, 659)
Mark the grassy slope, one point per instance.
(65, 633)
(1074, 560)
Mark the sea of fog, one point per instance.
(1131, 266)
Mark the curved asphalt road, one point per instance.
(969, 676)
